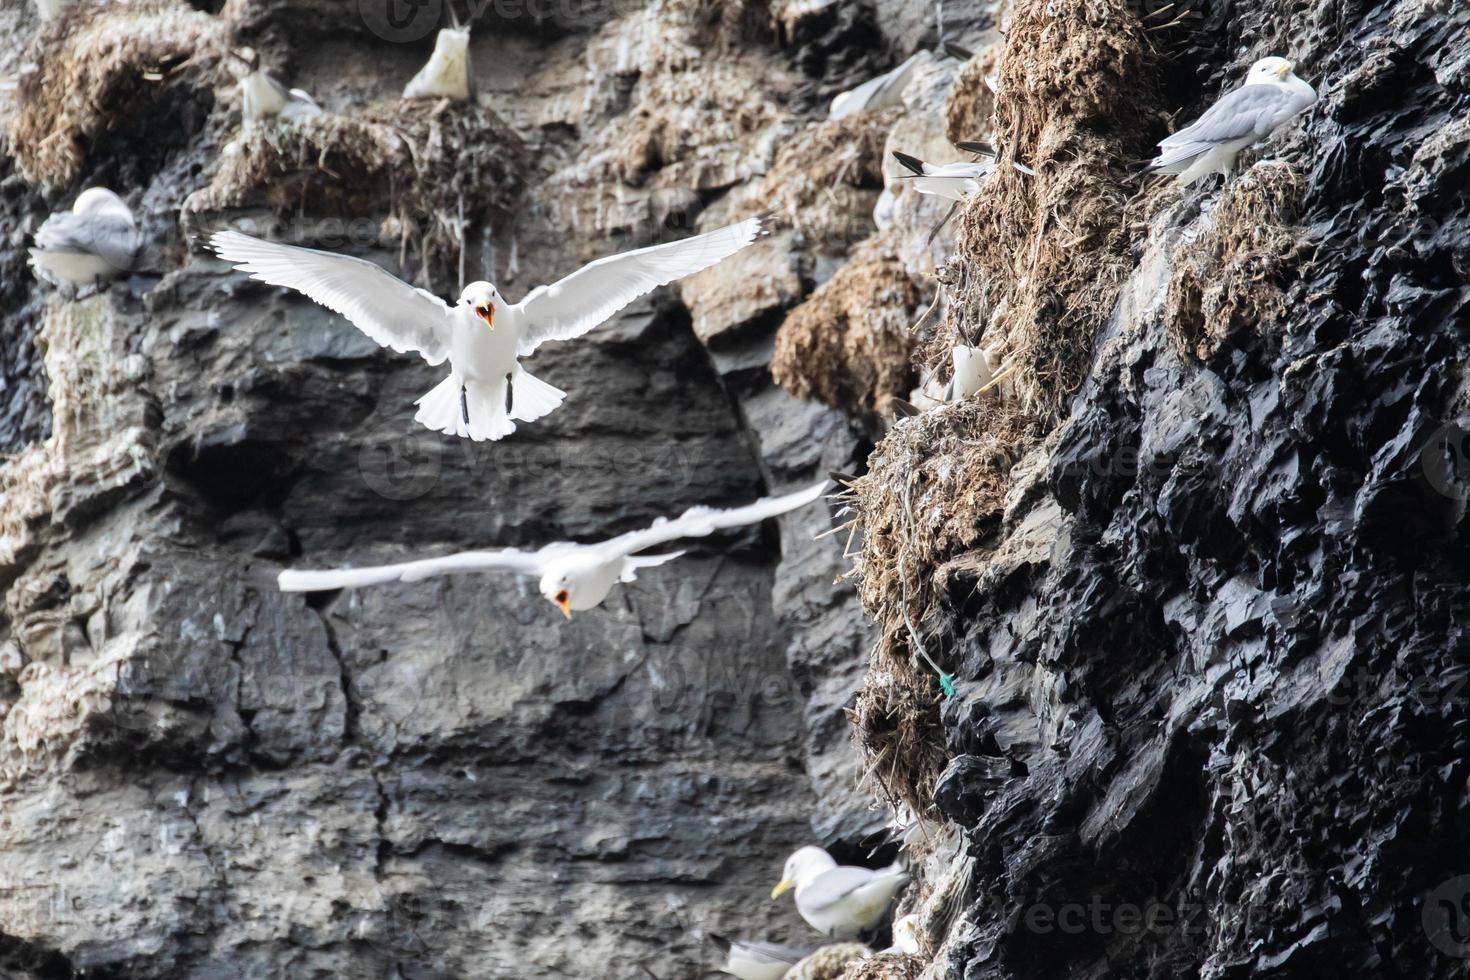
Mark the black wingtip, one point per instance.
(912, 163)
(845, 479)
(977, 146)
(904, 409)
(721, 943)
(958, 51)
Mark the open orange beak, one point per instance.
(564, 603)
(486, 313)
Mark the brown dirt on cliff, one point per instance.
(1232, 276)
(1038, 264)
(848, 345)
(969, 112)
(97, 69)
(429, 164)
(825, 181)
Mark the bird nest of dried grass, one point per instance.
(826, 179)
(433, 167)
(1233, 275)
(886, 966)
(98, 68)
(849, 345)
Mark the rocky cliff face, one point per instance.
(1197, 566)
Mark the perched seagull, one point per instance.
(262, 97)
(758, 961)
(906, 937)
(449, 74)
(952, 181)
(482, 335)
(839, 902)
(1270, 98)
(571, 576)
(973, 370)
(93, 242)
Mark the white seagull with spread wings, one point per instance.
(482, 336)
(1271, 97)
(571, 576)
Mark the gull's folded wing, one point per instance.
(583, 300)
(835, 885)
(110, 237)
(390, 311)
(698, 522)
(504, 559)
(1251, 111)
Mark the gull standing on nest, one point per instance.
(1271, 97)
(449, 74)
(840, 902)
(570, 576)
(482, 336)
(93, 242)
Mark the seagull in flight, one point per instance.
(757, 960)
(482, 336)
(1271, 97)
(93, 242)
(839, 901)
(570, 576)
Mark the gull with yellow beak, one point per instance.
(839, 901)
(482, 336)
(1271, 97)
(571, 576)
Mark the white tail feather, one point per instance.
(532, 398)
(442, 411)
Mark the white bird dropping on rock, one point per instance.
(571, 576)
(482, 336)
(93, 242)
(1270, 98)
(838, 901)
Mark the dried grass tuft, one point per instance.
(428, 164)
(1233, 276)
(98, 68)
(886, 966)
(825, 181)
(969, 112)
(848, 345)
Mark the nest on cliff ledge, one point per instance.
(886, 966)
(431, 165)
(848, 345)
(1233, 275)
(829, 962)
(935, 487)
(99, 69)
(1039, 259)
(825, 181)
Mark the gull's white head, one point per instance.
(1272, 69)
(100, 200)
(559, 590)
(484, 299)
(801, 868)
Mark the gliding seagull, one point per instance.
(482, 336)
(756, 960)
(1270, 98)
(571, 576)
